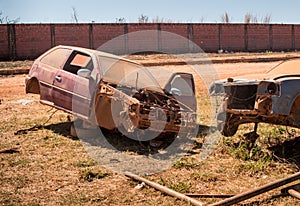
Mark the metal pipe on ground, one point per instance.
(164, 189)
(247, 195)
(210, 195)
(294, 193)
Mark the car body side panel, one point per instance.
(46, 76)
(289, 91)
(73, 93)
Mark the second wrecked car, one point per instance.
(271, 98)
(112, 92)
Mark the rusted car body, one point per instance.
(111, 91)
(271, 98)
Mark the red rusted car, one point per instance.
(113, 92)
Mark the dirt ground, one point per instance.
(47, 166)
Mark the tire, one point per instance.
(81, 130)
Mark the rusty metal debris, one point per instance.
(210, 195)
(265, 188)
(273, 98)
(294, 193)
(164, 189)
(230, 199)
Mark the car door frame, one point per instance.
(73, 93)
(189, 101)
(46, 76)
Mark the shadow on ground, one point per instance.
(288, 150)
(124, 144)
(62, 128)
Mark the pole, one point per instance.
(164, 189)
(247, 195)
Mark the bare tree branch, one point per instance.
(120, 20)
(267, 19)
(143, 18)
(225, 18)
(248, 18)
(74, 15)
(7, 20)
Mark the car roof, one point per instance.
(96, 52)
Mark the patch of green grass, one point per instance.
(91, 174)
(244, 149)
(180, 186)
(204, 176)
(85, 163)
(18, 162)
(186, 163)
(254, 167)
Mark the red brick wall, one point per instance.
(103, 33)
(142, 38)
(206, 36)
(233, 37)
(282, 37)
(4, 52)
(258, 37)
(297, 36)
(174, 38)
(72, 34)
(32, 40)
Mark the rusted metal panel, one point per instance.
(270, 98)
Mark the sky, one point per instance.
(184, 11)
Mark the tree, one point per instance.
(143, 18)
(74, 15)
(248, 18)
(266, 19)
(6, 20)
(120, 20)
(225, 18)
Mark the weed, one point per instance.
(15, 163)
(179, 186)
(85, 163)
(244, 149)
(254, 167)
(89, 174)
(204, 177)
(185, 163)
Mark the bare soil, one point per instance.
(46, 166)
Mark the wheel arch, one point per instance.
(33, 86)
(295, 109)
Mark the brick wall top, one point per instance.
(209, 36)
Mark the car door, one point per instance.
(182, 87)
(72, 92)
(48, 66)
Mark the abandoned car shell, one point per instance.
(110, 91)
(273, 99)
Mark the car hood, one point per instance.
(123, 72)
(286, 69)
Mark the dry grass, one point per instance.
(49, 167)
(15, 64)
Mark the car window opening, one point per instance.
(78, 61)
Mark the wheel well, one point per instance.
(295, 110)
(33, 86)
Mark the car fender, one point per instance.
(289, 92)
